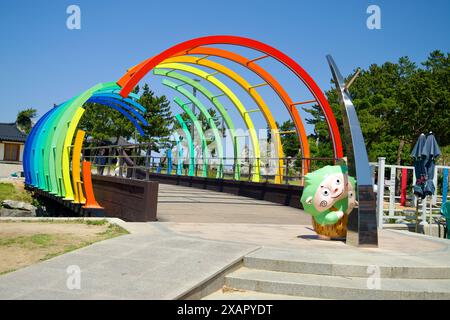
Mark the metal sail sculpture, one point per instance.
(362, 221)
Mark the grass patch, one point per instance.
(28, 242)
(112, 231)
(11, 192)
(7, 271)
(96, 222)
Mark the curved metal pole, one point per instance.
(136, 73)
(236, 102)
(216, 102)
(30, 148)
(120, 104)
(208, 117)
(116, 92)
(362, 229)
(119, 97)
(201, 134)
(64, 187)
(274, 84)
(188, 136)
(256, 97)
(76, 167)
(45, 148)
(123, 112)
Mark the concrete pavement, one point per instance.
(203, 239)
(150, 263)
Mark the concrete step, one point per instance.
(336, 287)
(251, 295)
(351, 265)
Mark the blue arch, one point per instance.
(119, 97)
(126, 114)
(28, 166)
(120, 103)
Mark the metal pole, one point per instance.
(286, 174)
(392, 191)
(380, 191)
(194, 93)
(362, 227)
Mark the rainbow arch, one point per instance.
(51, 162)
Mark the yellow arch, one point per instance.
(251, 91)
(76, 179)
(66, 153)
(234, 99)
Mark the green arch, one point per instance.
(190, 143)
(216, 102)
(226, 91)
(206, 114)
(199, 128)
(54, 137)
(60, 135)
(180, 154)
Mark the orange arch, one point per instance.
(272, 82)
(135, 74)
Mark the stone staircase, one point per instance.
(285, 274)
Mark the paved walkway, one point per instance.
(150, 263)
(184, 204)
(200, 234)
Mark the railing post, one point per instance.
(120, 163)
(249, 171)
(286, 170)
(109, 161)
(234, 168)
(435, 182)
(392, 191)
(380, 191)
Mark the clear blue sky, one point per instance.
(42, 62)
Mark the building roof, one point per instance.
(9, 132)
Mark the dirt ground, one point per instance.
(26, 243)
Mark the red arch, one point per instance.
(134, 75)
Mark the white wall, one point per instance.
(2, 151)
(22, 146)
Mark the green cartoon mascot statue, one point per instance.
(329, 197)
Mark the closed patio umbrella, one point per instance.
(419, 166)
(430, 152)
(425, 152)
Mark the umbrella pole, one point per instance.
(417, 214)
(431, 216)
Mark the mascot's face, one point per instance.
(331, 189)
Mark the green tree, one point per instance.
(159, 118)
(102, 124)
(23, 119)
(395, 102)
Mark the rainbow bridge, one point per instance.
(52, 161)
